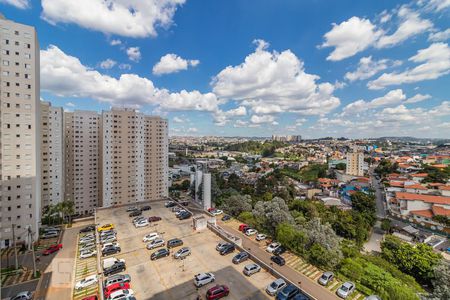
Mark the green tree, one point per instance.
(441, 286)
(386, 225)
(237, 204)
(269, 214)
(341, 166)
(247, 218)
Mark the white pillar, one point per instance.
(206, 190)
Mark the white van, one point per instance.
(108, 262)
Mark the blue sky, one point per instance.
(251, 68)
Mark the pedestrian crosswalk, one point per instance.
(83, 268)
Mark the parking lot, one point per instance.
(83, 268)
(168, 278)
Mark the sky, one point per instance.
(314, 68)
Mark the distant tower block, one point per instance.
(198, 181)
(206, 190)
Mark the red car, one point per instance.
(211, 209)
(154, 219)
(243, 227)
(217, 292)
(52, 249)
(115, 287)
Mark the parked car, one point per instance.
(110, 250)
(131, 208)
(372, 297)
(272, 247)
(226, 218)
(203, 279)
(217, 212)
(116, 279)
(251, 269)
(240, 257)
(288, 292)
(183, 252)
(121, 294)
(23, 296)
(150, 237)
(87, 229)
(184, 216)
(181, 211)
(106, 245)
(250, 231)
(88, 281)
(107, 291)
(49, 235)
(115, 268)
(243, 227)
(107, 233)
(52, 249)
(227, 249)
(176, 209)
(217, 292)
(88, 253)
(87, 246)
(108, 239)
(108, 262)
(142, 223)
(135, 213)
(346, 289)
(174, 243)
(137, 219)
(326, 278)
(160, 253)
(278, 260)
(275, 286)
(261, 237)
(105, 227)
(221, 245)
(145, 207)
(154, 219)
(280, 250)
(170, 204)
(158, 242)
(87, 239)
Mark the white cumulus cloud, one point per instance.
(130, 18)
(22, 4)
(107, 64)
(134, 54)
(255, 119)
(368, 68)
(172, 63)
(440, 36)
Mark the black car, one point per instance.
(226, 218)
(280, 250)
(110, 250)
(135, 213)
(170, 204)
(278, 260)
(240, 257)
(288, 292)
(88, 229)
(227, 249)
(146, 207)
(184, 216)
(160, 253)
(115, 268)
(174, 243)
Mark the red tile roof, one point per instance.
(419, 175)
(424, 198)
(444, 187)
(423, 213)
(440, 211)
(416, 187)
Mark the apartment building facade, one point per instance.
(20, 138)
(52, 170)
(82, 160)
(355, 164)
(134, 157)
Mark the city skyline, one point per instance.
(364, 70)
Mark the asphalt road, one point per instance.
(304, 282)
(379, 198)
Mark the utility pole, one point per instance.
(30, 237)
(14, 245)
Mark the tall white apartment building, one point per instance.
(82, 160)
(20, 138)
(52, 154)
(134, 157)
(355, 164)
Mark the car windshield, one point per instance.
(344, 288)
(274, 285)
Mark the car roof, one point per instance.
(90, 277)
(348, 284)
(279, 281)
(328, 273)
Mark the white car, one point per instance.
(88, 281)
(181, 211)
(88, 253)
(113, 244)
(250, 232)
(155, 243)
(183, 252)
(346, 289)
(276, 285)
(121, 294)
(137, 219)
(272, 247)
(87, 246)
(87, 240)
(203, 279)
(217, 212)
(251, 269)
(261, 237)
(150, 237)
(142, 223)
(108, 239)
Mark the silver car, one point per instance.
(251, 269)
(183, 252)
(326, 278)
(155, 243)
(346, 289)
(276, 285)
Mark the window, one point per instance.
(6, 62)
(5, 73)
(5, 52)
